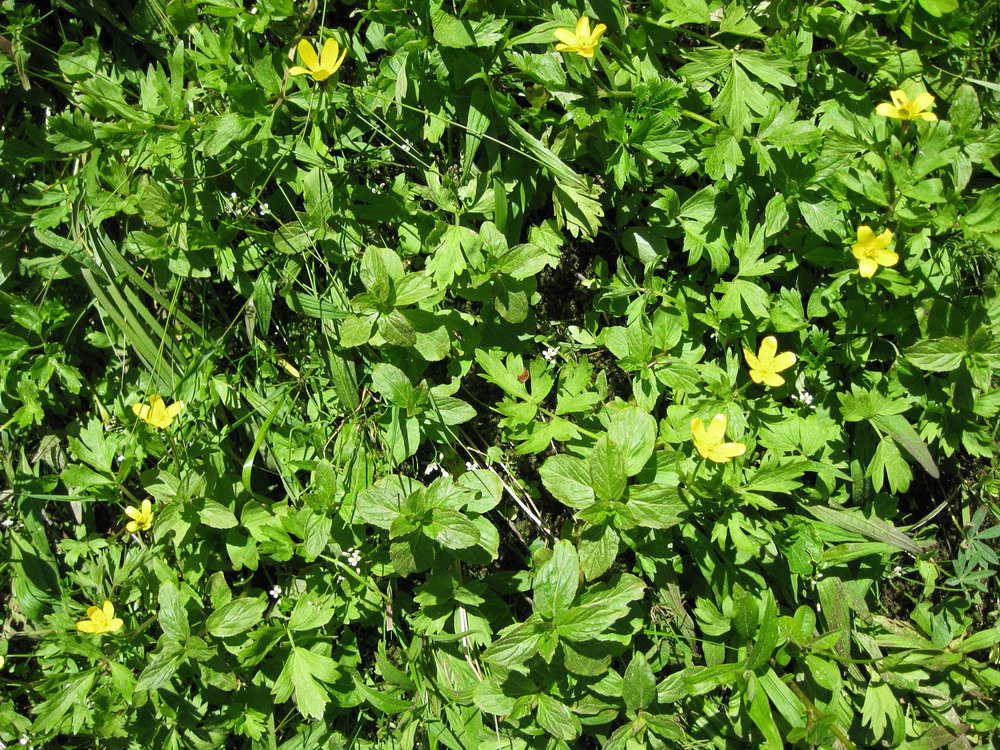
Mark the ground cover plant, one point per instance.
(499, 375)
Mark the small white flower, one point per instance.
(275, 592)
(550, 354)
(431, 468)
(264, 209)
(24, 740)
(471, 466)
(253, 11)
(8, 522)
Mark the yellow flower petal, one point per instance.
(929, 116)
(716, 431)
(730, 450)
(598, 32)
(899, 98)
(87, 626)
(172, 411)
(340, 60)
(767, 350)
(567, 37)
(783, 361)
(328, 57)
(297, 70)
(308, 54)
(865, 234)
(888, 110)
(751, 359)
(867, 267)
(583, 28)
(883, 240)
(772, 379)
(922, 102)
(698, 430)
(886, 258)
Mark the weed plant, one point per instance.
(499, 374)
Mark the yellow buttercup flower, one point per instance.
(767, 363)
(156, 412)
(902, 108)
(323, 66)
(582, 40)
(871, 251)
(709, 442)
(141, 519)
(101, 620)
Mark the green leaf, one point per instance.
(679, 12)
(656, 506)
(607, 470)
(908, 439)
(578, 208)
(766, 637)
(778, 476)
(639, 685)
(356, 330)
(938, 8)
(600, 607)
(888, 461)
(310, 697)
(737, 98)
(634, 431)
(216, 515)
(392, 384)
(73, 692)
(515, 646)
(158, 671)
(310, 612)
(375, 273)
(450, 31)
(396, 329)
(598, 550)
(872, 528)
(882, 709)
(487, 486)
(759, 711)
(567, 478)
(557, 581)
(937, 355)
(490, 697)
(236, 617)
(557, 719)
(172, 617)
(451, 529)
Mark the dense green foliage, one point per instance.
(443, 325)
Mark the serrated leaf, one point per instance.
(634, 431)
(937, 355)
(639, 685)
(607, 470)
(567, 478)
(237, 616)
(557, 581)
